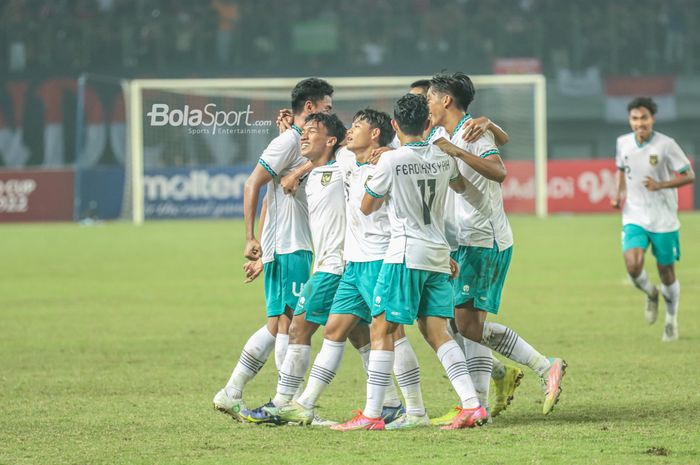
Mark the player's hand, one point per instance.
(285, 119)
(252, 270)
(290, 184)
(651, 184)
(615, 203)
(376, 154)
(252, 250)
(454, 269)
(475, 128)
(441, 142)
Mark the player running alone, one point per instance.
(651, 167)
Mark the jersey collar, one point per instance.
(653, 133)
(416, 144)
(297, 129)
(464, 119)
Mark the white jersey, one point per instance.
(658, 158)
(485, 223)
(286, 228)
(450, 199)
(366, 237)
(326, 198)
(414, 179)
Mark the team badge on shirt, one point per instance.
(653, 160)
(326, 178)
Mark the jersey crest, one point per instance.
(326, 178)
(653, 160)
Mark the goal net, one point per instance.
(193, 142)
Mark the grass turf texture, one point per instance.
(114, 339)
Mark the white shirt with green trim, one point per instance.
(325, 195)
(414, 180)
(658, 158)
(451, 198)
(485, 222)
(286, 228)
(366, 237)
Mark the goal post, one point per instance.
(516, 102)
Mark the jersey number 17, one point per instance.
(427, 192)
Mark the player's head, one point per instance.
(312, 95)
(411, 116)
(322, 134)
(449, 92)
(642, 116)
(370, 128)
(420, 86)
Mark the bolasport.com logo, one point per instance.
(208, 120)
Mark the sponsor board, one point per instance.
(36, 195)
(573, 186)
(195, 192)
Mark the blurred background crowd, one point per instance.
(329, 37)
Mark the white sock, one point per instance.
(672, 296)
(378, 379)
(407, 373)
(452, 359)
(499, 369)
(480, 364)
(642, 282)
(281, 344)
(253, 357)
(292, 373)
(391, 396)
(322, 372)
(459, 339)
(506, 342)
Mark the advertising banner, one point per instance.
(36, 195)
(574, 186)
(195, 192)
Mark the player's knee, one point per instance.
(667, 275)
(469, 328)
(335, 332)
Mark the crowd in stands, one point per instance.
(332, 37)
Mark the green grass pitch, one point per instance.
(114, 339)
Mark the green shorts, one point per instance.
(482, 273)
(665, 246)
(356, 289)
(405, 294)
(317, 297)
(284, 280)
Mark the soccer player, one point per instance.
(647, 163)
(366, 242)
(485, 241)
(506, 378)
(286, 243)
(414, 279)
(322, 135)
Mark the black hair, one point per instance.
(644, 102)
(457, 85)
(411, 114)
(380, 120)
(313, 89)
(422, 83)
(334, 127)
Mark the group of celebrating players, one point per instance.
(403, 221)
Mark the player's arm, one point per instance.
(370, 203)
(621, 188)
(686, 176)
(377, 187)
(290, 182)
(489, 166)
(468, 191)
(251, 196)
(476, 127)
